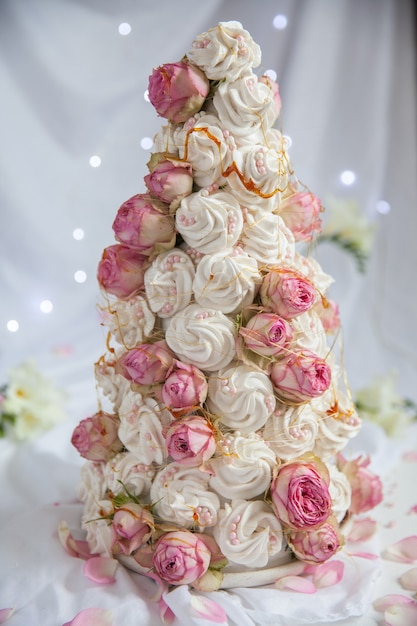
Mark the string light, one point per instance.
(146, 143)
(95, 161)
(280, 22)
(271, 73)
(78, 234)
(46, 306)
(146, 96)
(12, 326)
(125, 28)
(287, 141)
(80, 276)
(348, 177)
(383, 207)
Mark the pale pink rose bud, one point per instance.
(267, 334)
(300, 494)
(178, 90)
(366, 486)
(170, 180)
(96, 437)
(144, 224)
(272, 84)
(185, 386)
(328, 312)
(181, 557)
(300, 376)
(316, 546)
(132, 526)
(146, 364)
(287, 293)
(190, 440)
(121, 270)
(301, 213)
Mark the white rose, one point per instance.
(242, 397)
(225, 50)
(168, 282)
(209, 223)
(226, 281)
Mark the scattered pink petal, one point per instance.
(365, 555)
(5, 614)
(390, 524)
(74, 547)
(92, 617)
(295, 583)
(384, 602)
(411, 456)
(401, 614)
(165, 613)
(409, 579)
(101, 569)
(404, 551)
(413, 509)
(362, 529)
(207, 609)
(328, 574)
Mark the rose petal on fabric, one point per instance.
(74, 547)
(295, 583)
(101, 569)
(328, 574)
(165, 613)
(409, 579)
(410, 456)
(364, 555)
(384, 602)
(403, 551)
(362, 530)
(401, 614)
(207, 609)
(92, 617)
(5, 614)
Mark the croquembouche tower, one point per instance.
(214, 457)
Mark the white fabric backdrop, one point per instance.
(72, 87)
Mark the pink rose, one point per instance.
(300, 213)
(132, 526)
(170, 180)
(120, 271)
(300, 494)
(96, 437)
(316, 546)
(366, 486)
(181, 557)
(185, 386)
(287, 293)
(178, 90)
(328, 312)
(146, 364)
(143, 223)
(267, 334)
(190, 441)
(300, 376)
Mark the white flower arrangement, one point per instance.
(29, 403)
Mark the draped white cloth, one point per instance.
(73, 87)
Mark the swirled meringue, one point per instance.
(97, 528)
(245, 106)
(290, 432)
(337, 422)
(241, 396)
(204, 144)
(92, 483)
(164, 140)
(141, 425)
(126, 470)
(248, 533)
(112, 385)
(168, 282)
(265, 237)
(244, 470)
(340, 492)
(129, 321)
(209, 223)
(203, 337)
(309, 334)
(227, 281)
(181, 495)
(225, 50)
(313, 271)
